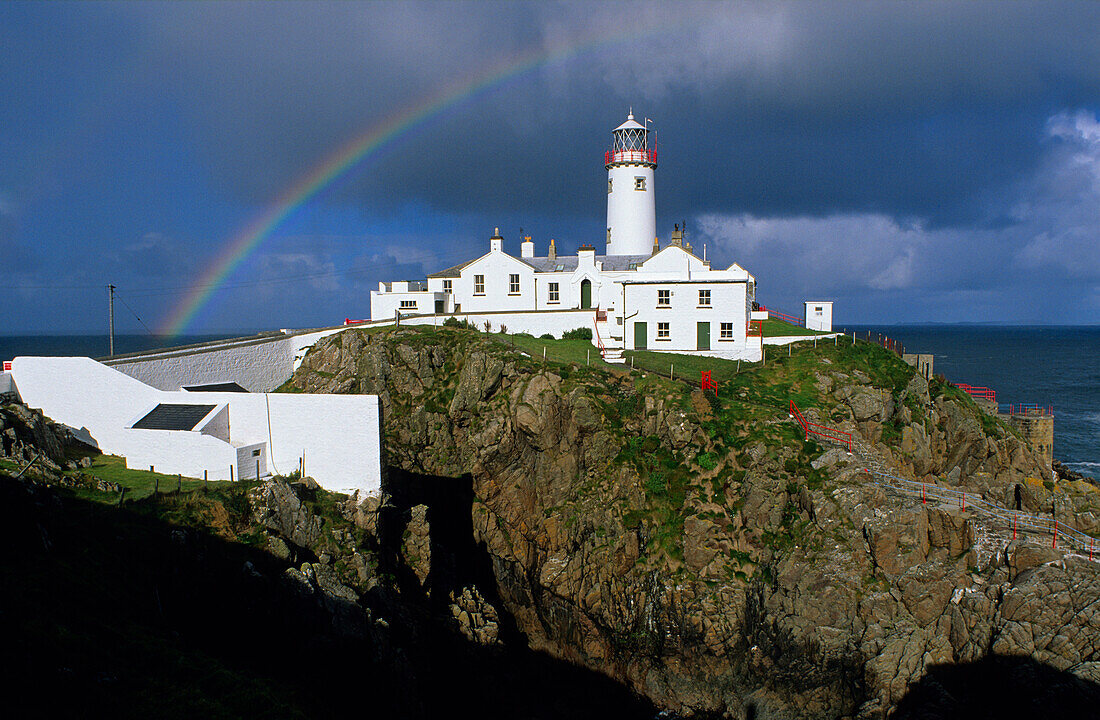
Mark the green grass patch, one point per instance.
(773, 327)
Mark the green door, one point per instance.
(586, 294)
(703, 334)
(640, 335)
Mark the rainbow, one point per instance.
(344, 159)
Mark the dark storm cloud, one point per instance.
(893, 149)
(913, 109)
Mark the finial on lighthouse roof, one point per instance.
(630, 113)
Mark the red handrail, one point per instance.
(822, 431)
(979, 392)
(1031, 409)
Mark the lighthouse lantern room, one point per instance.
(631, 211)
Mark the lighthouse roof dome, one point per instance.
(631, 124)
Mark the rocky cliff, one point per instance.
(697, 548)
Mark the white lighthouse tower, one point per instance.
(631, 212)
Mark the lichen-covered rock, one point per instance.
(703, 553)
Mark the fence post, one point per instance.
(179, 483)
(204, 479)
(1054, 540)
(671, 366)
(923, 498)
(257, 469)
(231, 472)
(156, 485)
(1014, 526)
(964, 501)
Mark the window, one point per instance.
(447, 286)
(818, 309)
(664, 298)
(726, 331)
(632, 266)
(555, 296)
(704, 298)
(639, 183)
(479, 284)
(559, 268)
(408, 304)
(513, 284)
(255, 453)
(609, 186)
(662, 331)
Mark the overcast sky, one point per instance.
(914, 162)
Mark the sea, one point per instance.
(1047, 365)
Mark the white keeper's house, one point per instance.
(636, 295)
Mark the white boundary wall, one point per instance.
(339, 435)
(258, 364)
(788, 339)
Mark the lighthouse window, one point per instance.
(446, 286)
(664, 298)
(639, 183)
(609, 186)
(555, 296)
(479, 284)
(726, 331)
(513, 284)
(704, 298)
(408, 304)
(662, 331)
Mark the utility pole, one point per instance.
(111, 320)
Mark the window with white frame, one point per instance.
(664, 298)
(639, 183)
(704, 298)
(555, 295)
(408, 304)
(726, 331)
(479, 284)
(447, 286)
(662, 331)
(513, 284)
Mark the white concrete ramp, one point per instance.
(337, 435)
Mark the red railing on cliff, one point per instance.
(822, 431)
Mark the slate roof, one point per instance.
(568, 263)
(171, 416)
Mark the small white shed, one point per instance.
(818, 315)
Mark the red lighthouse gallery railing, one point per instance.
(634, 156)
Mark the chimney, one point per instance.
(586, 255)
(656, 248)
(677, 236)
(527, 248)
(553, 253)
(496, 242)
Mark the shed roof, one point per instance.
(172, 416)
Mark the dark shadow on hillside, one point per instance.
(116, 613)
(999, 688)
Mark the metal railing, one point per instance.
(822, 431)
(635, 156)
(977, 391)
(1030, 410)
(1010, 521)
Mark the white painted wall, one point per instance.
(631, 214)
(383, 305)
(534, 323)
(338, 434)
(818, 315)
(496, 267)
(684, 313)
(258, 364)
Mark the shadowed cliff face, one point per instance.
(697, 548)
